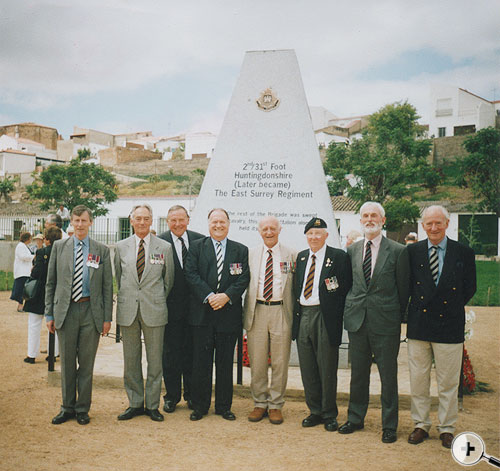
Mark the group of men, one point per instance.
(182, 293)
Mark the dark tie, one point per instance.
(367, 262)
(77, 288)
(141, 255)
(184, 251)
(310, 279)
(268, 278)
(434, 263)
(219, 264)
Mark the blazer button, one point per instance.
(421, 297)
(454, 289)
(445, 302)
(440, 315)
(424, 310)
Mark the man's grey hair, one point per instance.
(55, 219)
(176, 208)
(436, 207)
(380, 208)
(269, 217)
(143, 205)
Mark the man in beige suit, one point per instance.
(144, 270)
(268, 314)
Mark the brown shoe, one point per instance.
(257, 414)
(275, 416)
(417, 436)
(446, 439)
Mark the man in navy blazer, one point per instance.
(218, 274)
(177, 341)
(322, 281)
(443, 280)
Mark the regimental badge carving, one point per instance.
(268, 101)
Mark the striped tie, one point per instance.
(367, 262)
(434, 263)
(77, 288)
(184, 251)
(310, 279)
(219, 264)
(141, 259)
(268, 278)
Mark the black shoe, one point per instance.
(154, 414)
(55, 358)
(190, 404)
(331, 424)
(82, 418)
(63, 417)
(227, 415)
(131, 412)
(349, 427)
(169, 406)
(312, 420)
(29, 360)
(196, 415)
(389, 436)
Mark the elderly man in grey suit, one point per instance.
(144, 270)
(373, 312)
(79, 304)
(268, 317)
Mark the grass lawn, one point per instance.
(6, 281)
(488, 277)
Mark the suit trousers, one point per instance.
(318, 363)
(177, 360)
(132, 358)
(78, 342)
(270, 333)
(385, 348)
(448, 359)
(35, 322)
(206, 341)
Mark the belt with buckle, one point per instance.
(270, 303)
(83, 300)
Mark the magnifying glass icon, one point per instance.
(468, 449)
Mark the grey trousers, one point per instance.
(385, 348)
(132, 359)
(318, 363)
(78, 342)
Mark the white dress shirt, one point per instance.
(147, 243)
(375, 248)
(277, 282)
(320, 258)
(178, 245)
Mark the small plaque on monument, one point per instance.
(266, 160)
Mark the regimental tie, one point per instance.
(434, 263)
(219, 264)
(184, 251)
(77, 288)
(367, 262)
(268, 278)
(310, 278)
(141, 259)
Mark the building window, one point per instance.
(441, 132)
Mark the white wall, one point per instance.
(17, 163)
(199, 143)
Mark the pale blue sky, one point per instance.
(121, 66)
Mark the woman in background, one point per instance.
(35, 306)
(22, 268)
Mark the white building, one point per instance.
(456, 111)
(16, 162)
(199, 145)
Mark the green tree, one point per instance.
(481, 168)
(7, 186)
(386, 164)
(400, 212)
(73, 184)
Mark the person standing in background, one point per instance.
(23, 259)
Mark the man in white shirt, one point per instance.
(268, 316)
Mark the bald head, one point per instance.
(269, 230)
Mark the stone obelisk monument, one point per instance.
(266, 160)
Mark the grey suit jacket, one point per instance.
(384, 301)
(149, 294)
(60, 280)
(254, 262)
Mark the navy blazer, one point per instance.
(178, 298)
(338, 264)
(201, 275)
(436, 313)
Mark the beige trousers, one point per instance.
(270, 333)
(448, 360)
